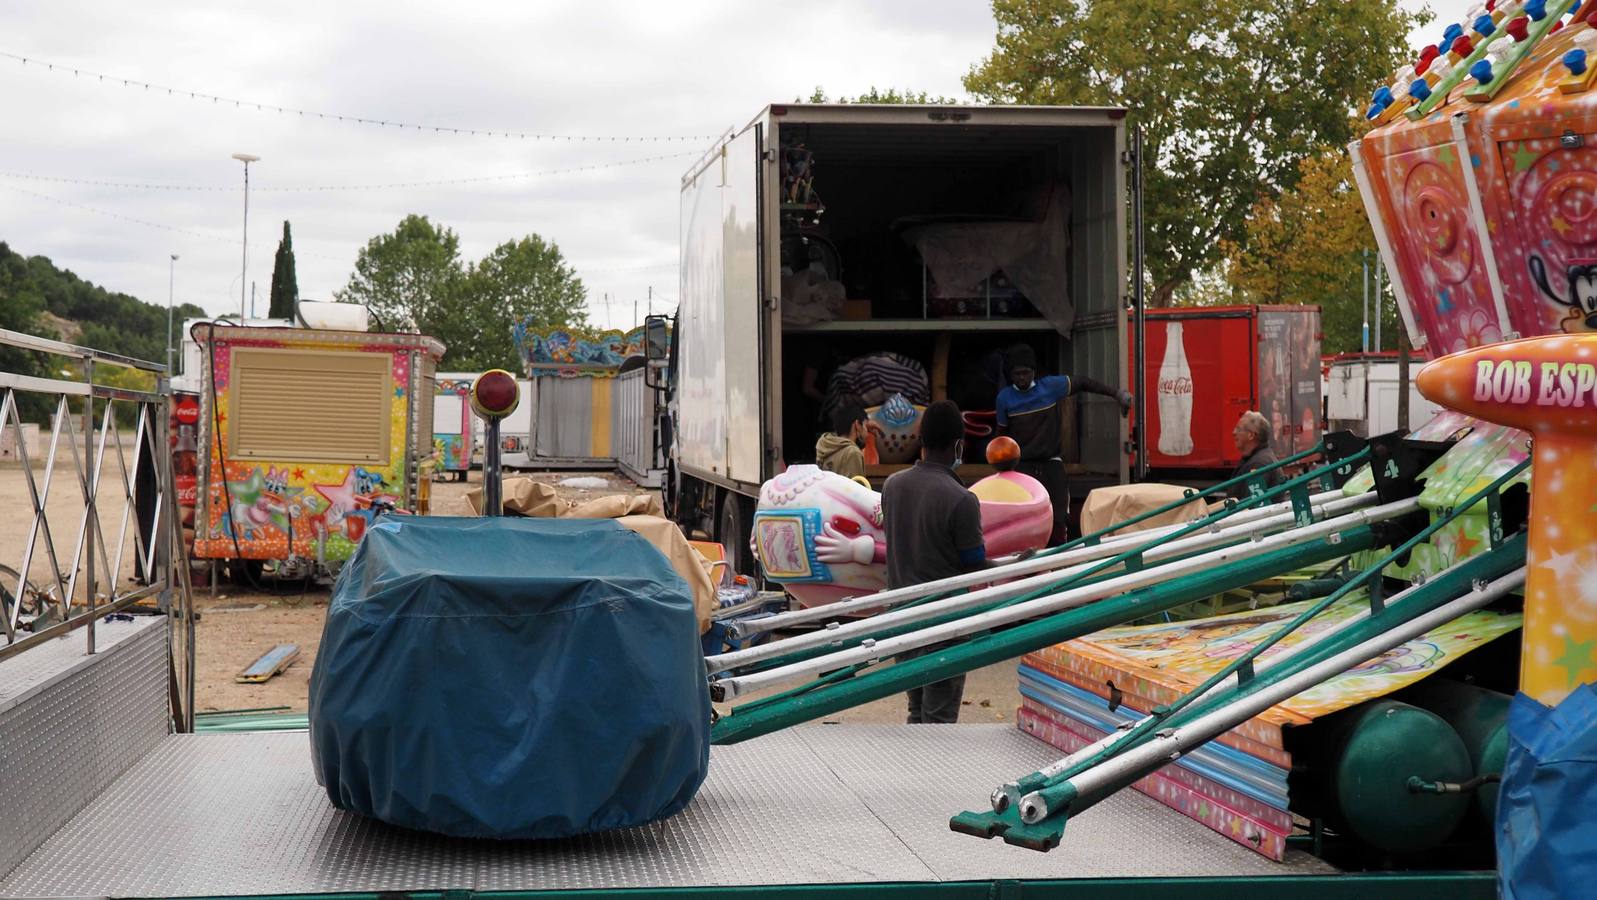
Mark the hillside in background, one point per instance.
(38, 298)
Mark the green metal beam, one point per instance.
(1061, 795)
(1297, 489)
(745, 722)
(1168, 715)
(1340, 886)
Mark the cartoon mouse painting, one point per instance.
(1581, 302)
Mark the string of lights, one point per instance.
(340, 117)
(442, 182)
(171, 228)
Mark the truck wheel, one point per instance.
(732, 532)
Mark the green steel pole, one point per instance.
(744, 723)
(1243, 666)
(1059, 795)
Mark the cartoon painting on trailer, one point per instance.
(317, 510)
(570, 353)
(450, 446)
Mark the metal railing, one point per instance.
(86, 585)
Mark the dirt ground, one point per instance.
(236, 626)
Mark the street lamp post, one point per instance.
(171, 284)
(243, 282)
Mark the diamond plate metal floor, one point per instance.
(242, 814)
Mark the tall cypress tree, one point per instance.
(285, 286)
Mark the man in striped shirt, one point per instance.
(1028, 411)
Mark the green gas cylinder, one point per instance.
(1480, 717)
(1353, 768)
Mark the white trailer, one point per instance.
(1362, 390)
(883, 178)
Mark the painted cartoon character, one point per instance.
(367, 482)
(1581, 300)
(257, 505)
(1415, 656)
(820, 535)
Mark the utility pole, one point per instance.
(1380, 303)
(171, 284)
(1402, 378)
(1364, 334)
(244, 270)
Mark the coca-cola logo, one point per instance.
(187, 412)
(1181, 384)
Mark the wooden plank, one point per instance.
(269, 664)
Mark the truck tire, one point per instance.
(733, 528)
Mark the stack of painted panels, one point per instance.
(1076, 692)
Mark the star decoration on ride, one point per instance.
(340, 498)
(1577, 659)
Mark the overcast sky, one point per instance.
(590, 68)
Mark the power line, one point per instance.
(444, 182)
(357, 120)
(148, 224)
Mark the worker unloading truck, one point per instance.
(1028, 410)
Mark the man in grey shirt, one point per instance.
(933, 529)
(1252, 436)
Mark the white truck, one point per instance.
(942, 233)
(1362, 390)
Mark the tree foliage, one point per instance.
(414, 277)
(410, 278)
(1310, 246)
(1231, 96)
(891, 95)
(35, 295)
(517, 281)
(285, 284)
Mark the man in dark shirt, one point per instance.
(1252, 436)
(933, 527)
(1028, 411)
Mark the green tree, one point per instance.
(285, 285)
(517, 281)
(891, 95)
(1309, 246)
(1231, 96)
(38, 298)
(411, 278)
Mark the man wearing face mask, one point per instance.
(841, 450)
(1028, 411)
(933, 527)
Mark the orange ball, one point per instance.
(1003, 452)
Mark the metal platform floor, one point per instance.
(823, 804)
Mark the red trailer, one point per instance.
(1206, 366)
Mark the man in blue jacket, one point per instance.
(1029, 411)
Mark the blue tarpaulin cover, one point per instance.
(509, 678)
(1546, 831)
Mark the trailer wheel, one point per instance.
(732, 532)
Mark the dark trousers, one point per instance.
(937, 703)
(1051, 472)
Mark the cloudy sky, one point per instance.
(598, 69)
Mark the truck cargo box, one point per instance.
(818, 234)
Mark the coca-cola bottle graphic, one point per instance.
(1175, 395)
